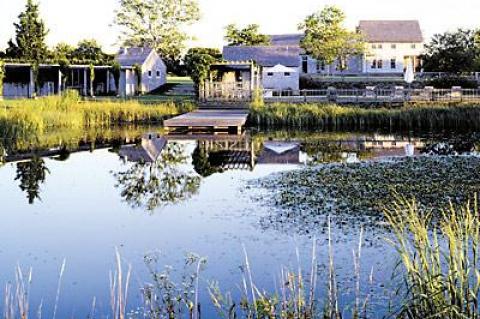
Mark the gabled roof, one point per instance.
(132, 56)
(281, 69)
(391, 31)
(285, 39)
(264, 55)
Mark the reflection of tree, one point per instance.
(31, 175)
(151, 185)
(201, 162)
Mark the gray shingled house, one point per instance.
(153, 71)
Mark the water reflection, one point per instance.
(159, 175)
(31, 174)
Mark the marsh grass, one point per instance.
(336, 117)
(438, 260)
(296, 294)
(24, 117)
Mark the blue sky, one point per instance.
(73, 20)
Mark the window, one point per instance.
(158, 74)
(305, 64)
(286, 73)
(413, 46)
(380, 64)
(320, 66)
(150, 73)
(374, 64)
(393, 63)
(393, 46)
(380, 46)
(374, 46)
(270, 74)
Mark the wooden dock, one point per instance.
(212, 120)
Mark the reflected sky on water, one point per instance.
(172, 196)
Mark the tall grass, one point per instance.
(333, 117)
(439, 260)
(23, 117)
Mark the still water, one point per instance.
(171, 197)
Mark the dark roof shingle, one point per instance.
(264, 55)
(391, 31)
(132, 56)
(285, 39)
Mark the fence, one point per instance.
(350, 96)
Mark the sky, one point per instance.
(73, 20)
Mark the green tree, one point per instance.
(89, 50)
(157, 24)
(197, 62)
(452, 52)
(62, 51)
(326, 39)
(30, 35)
(250, 35)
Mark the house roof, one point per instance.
(285, 39)
(281, 69)
(132, 56)
(264, 55)
(391, 31)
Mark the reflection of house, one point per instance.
(280, 153)
(152, 68)
(148, 151)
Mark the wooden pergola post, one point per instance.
(85, 81)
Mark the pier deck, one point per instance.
(209, 119)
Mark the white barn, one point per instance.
(153, 70)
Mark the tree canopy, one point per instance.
(198, 60)
(158, 24)
(30, 35)
(326, 38)
(453, 52)
(249, 36)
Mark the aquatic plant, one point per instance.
(438, 259)
(33, 117)
(361, 191)
(334, 117)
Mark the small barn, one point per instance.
(146, 61)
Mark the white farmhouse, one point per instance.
(153, 71)
(390, 46)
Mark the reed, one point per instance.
(336, 117)
(24, 117)
(439, 260)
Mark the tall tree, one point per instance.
(452, 52)
(158, 24)
(30, 35)
(89, 50)
(250, 35)
(327, 40)
(197, 62)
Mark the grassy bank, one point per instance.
(20, 118)
(336, 117)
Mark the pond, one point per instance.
(168, 196)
